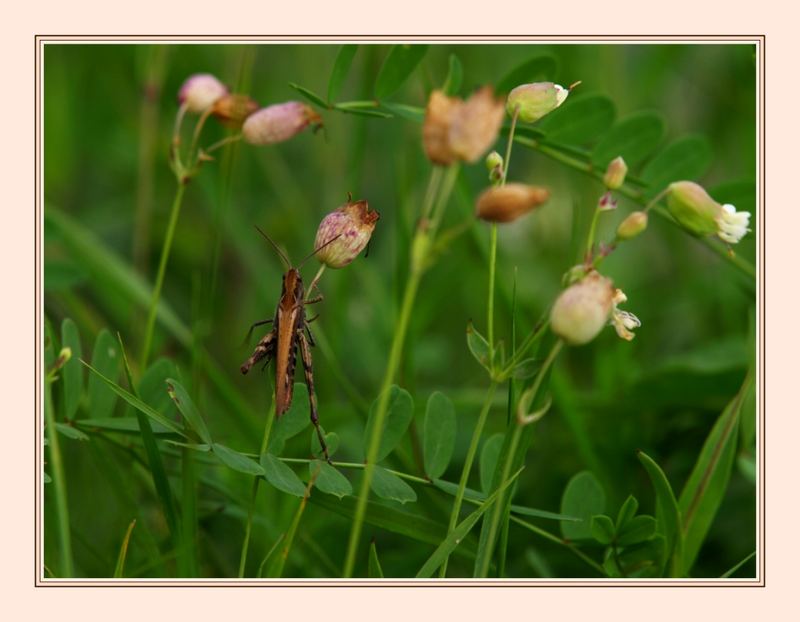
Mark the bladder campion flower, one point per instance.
(623, 321)
(350, 227)
(509, 202)
(200, 91)
(633, 225)
(615, 173)
(455, 129)
(233, 108)
(701, 215)
(279, 122)
(535, 100)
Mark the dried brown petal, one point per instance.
(476, 124)
(234, 109)
(509, 202)
(436, 129)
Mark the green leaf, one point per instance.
(188, 409)
(668, 516)
(236, 461)
(439, 434)
(123, 551)
(70, 432)
(122, 424)
(62, 276)
(388, 486)
(136, 403)
(490, 453)
(526, 368)
(540, 67)
(293, 421)
(309, 95)
(643, 560)
(72, 372)
(49, 345)
(685, 158)
(329, 479)
(708, 481)
(341, 67)
(740, 193)
(526, 511)
(638, 529)
(404, 111)
(602, 528)
(398, 66)
(479, 346)
(445, 549)
(374, 570)
(583, 497)
(398, 418)
(281, 476)
(152, 387)
(634, 138)
(455, 75)
(364, 112)
(331, 440)
(106, 361)
(627, 511)
(580, 120)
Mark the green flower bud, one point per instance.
(632, 226)
(697, 212)
(615, 173)
(494, 160)
(583, 309)
(535, 100)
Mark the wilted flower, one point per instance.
(509, 202)
(607, 203)
(633, 225)
(200, 91)
(278, 122)
(455, 129)
(615, 173)
(535, 100)
(582, 310)
(623, 321)
(350, 227)
(696, 211)
(234, 109)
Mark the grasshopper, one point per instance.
(290, 331)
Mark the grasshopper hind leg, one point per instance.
(264, 350)
(305, 354)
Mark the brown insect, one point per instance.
(290, 331)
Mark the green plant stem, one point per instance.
(424, 234)
(482, 569)
(490, 301)
(254, 491)
(277, 569)
(162, 269)
(315, 280)
(465, 472)
(592, 232)
(60, 483)
(556, 540)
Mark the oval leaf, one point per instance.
(490, 452)
(106, 360)
(540, 67)
(388, 486)
(602, 528)
(478, 345)
(439, 435)
(341, 67)
(398, 66)
(72, 372)
(634, 138)
(329, 479)
(70, 432)
(293, 421)
(579, 121)
(331, 440)
(188, 409)
(686, 158)
(309, 95)
(583, 497)
(398, 417)
(281, 476)
(627, 511)
(638, 529)
(236, 461)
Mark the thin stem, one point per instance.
(430, 193)
(592, 231)
(254, 491)
(315, 280)
(510, 143)
(490, 301)
(654, 201)
(556, 540)
(198, 129)
(222, 142)
(162, 269)
(277, 569)
(465, 472)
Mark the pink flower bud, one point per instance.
(350, 227)
(200, 91)
(583, 309)
(278, 122)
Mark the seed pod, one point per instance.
(233, 109)
(535, 100)
(633, 225)
(200, 91)
(350, 227)
(279, 122)
(509, 202)
(583, 309)
(615, 173)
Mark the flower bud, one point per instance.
(233, 109)
(278, 122)
(615, 173)
(535, 100)
(200, 91)
(633, 225)
(509, 202)
(455, 129)
(701, 215)
(583, 309)
(350, 227)
(494, 160)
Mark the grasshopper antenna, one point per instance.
(281, 254)
(316, 250)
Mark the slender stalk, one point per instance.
(315, 280)
(471, 452)
(222, 142)
(162, 269)
(277, 569)
(490, 301)
(254, 491)
(59, 482)
(592, 231)
(424, 233)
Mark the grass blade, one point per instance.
(667, 514)
(123, 551)
(72, 371)
(189, 411)
(341, 67)
(374, 570)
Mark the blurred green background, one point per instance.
(108, 115)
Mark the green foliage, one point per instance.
(388, 486)
(396, 69)
(398, 418)
(579, 120)
(535, 69)
(583, 498)
(439, 434)
(634, 138)
(281, 476)
(341, 67)
(328, 479)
